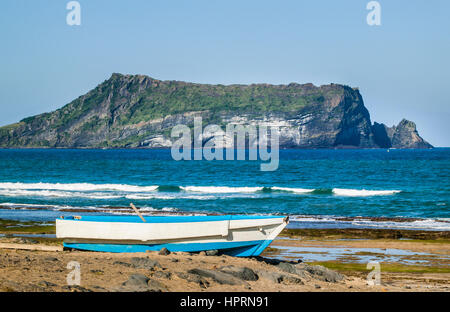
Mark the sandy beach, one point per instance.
(296, 261)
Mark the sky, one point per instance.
(402, 67)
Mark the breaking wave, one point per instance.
(115, 191)
(293, 190)
(353, 192)
(67, 208)
(83, 187)
(221, 189)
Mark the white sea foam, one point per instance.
(293, 190)
(142, 192)
(151, 209)
(311, 219)
(28, 205)
(169, 196)
(425, 224)
(58, 194)
(199, 197)
(438, 224)
(148, 196)
(221, 189)
(115, 210)
(363, 192)
(82, 187)
(336, 191)
(99, 195)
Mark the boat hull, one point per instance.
(242, 236)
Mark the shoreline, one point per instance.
(297, 222)
(128, 210)
(363, 233)
(47, 227)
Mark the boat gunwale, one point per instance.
(166, 219)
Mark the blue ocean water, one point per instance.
(315, 187)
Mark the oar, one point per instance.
(137, 211)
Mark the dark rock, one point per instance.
(292, 268)
(50, 259)
(98, 288)
(98, 272)
(164, 251)
(287, 267)
(288, 279)
(135, 283)
(140, 283)
(46, 284)
(316, 271)
(144, 263)
(162, 274)
(156, 286)
(217, 276)
(137, 280)
(404, 135)
(23, 240)
(122, 263)
(268, 260)
(242, 273)
(278, 278)
(193, 278)
(382, 135)
(75, 288)
(321, 273)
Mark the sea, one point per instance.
(331, 188)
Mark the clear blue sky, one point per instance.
(401, 67)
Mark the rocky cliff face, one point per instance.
(139, 111)
(404, 135)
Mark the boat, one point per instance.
(235, 235)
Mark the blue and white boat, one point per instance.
(236, 235)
